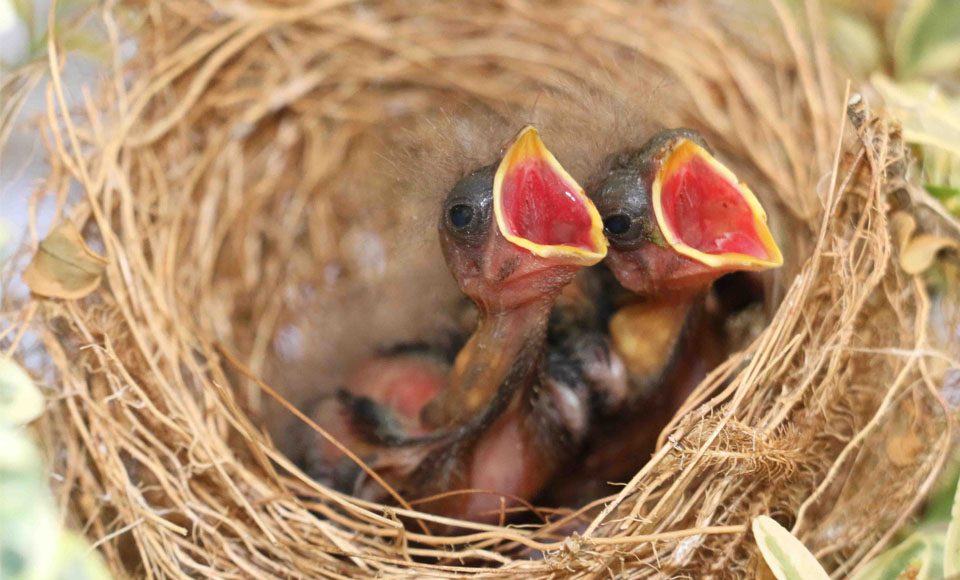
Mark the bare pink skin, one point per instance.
(402, 383)
(653, 270)
(508, 461)
(504, 468)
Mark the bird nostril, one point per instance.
(617, 224)
(461, 215)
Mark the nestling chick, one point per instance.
(514, 235)
(676, 220)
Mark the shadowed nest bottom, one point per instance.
(231, 168)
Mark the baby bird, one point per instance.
(514, 234)
(676, 220)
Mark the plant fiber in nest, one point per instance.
(212, 168)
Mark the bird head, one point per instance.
(517, 231)
(677, 219)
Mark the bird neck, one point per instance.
(499, 360)
(681, 297)
(649, 335)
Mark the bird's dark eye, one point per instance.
(625, 227)
(461, 215)
(467, 209)
(466, 219)
(622, 199)
(617, 224)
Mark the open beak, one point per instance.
(540, 208)
(707, 215)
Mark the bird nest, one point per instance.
(229, 169)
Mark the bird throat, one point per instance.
(646, 335)
(500, 359)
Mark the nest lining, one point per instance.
(210, 166)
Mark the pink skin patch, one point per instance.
(708, 213)
(506, 462)
(405, 384)
(543, 207)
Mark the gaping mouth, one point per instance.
(540, 208)
(706, 214)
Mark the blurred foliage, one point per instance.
(855, 41)
(931, 122)
(940, 505)
(907, 39)
(33, 546)
(910, 51)
(71, 27)
(926, 39)
(951, 556)
(931, 552)
(8, 16)
(919, 557)
(20, 400)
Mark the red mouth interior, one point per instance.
(708, 213)
(543, 207)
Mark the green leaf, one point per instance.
(20, 400)
(942, 192)
(951, 551)
(928, 117)
(23, 8)
(941, 167)
(919, 557)
(940, 504)
(948, 196)
(32, 544)
(75, 560)
(854, 40)
(927, 40)
(18, 457)
(786, 556)
(28, 520)
(8, 16)
(930, 121)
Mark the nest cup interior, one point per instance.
(271, 200)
